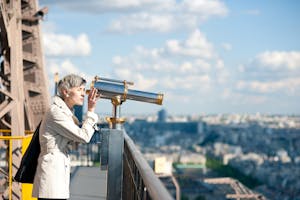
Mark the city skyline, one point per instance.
(206, 57)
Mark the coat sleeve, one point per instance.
(67, 127)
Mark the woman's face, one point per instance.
(75, 96)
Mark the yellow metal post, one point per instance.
(10, 170)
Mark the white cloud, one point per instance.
(189, 65)
(223, 77)
(64, 67)
(203, 65)
(219, 63)
(196, 46)
(244, 99)
(276, 60)
(191, 83)
(66, 45)
(177, 98)
(149, 15)
(68, 66)
(286, 86)
(140, 81)
(155, 22)
(186, 67)
(268, 75)
(48, 27)
(241, 68)
(205, 8)
(103, 6)
(271, 70)
(143, 22)
(170, 16)
(226, 46)
(226, 93)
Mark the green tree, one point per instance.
(229, 171)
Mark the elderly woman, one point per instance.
(59, 128)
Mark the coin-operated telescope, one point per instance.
(118, 92)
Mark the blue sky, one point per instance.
(205, 56)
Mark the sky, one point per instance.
(205, 56)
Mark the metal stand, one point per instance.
(113, 161)
(115, 122)
(112, 148)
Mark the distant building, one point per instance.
(162, 166)
(183, 127)
(78, 112)
(162, 115)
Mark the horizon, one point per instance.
(104, 114)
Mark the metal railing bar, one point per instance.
(132, 177)
(154, 186)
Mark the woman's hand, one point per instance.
(92, 99)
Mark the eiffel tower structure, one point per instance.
(24, 95)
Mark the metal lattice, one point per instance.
(24, 94)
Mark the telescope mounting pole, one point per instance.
(113, 148)
(116, 121)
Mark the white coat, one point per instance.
(58, 129)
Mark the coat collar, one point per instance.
(58, 101)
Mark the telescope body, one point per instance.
(110, 90)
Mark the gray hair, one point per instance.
(69, 82)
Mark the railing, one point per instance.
(10, 141)
(139, 180)
(129, 176)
